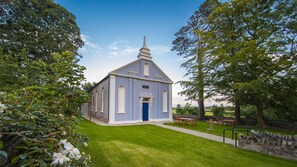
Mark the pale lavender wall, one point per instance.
(101, 115)
(133, 92)
(132, 78)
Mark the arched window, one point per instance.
(121, 99)
(102, 99)
(165, 109)
(146, 69)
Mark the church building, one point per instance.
(139, 91)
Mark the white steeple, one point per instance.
(144, 52)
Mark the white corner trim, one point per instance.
(112, 92)
(170, 101)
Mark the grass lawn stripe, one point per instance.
(148, 145)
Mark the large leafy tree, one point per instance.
(190, 45)
(221, 50)
(40, 114)
(284, 89)
(40, 26)
(252, 49)
(40, 85)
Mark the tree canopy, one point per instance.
(190, 45)
(251, 53)
(42, 27)
(40, 87)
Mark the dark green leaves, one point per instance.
(41, 27)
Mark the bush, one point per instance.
(41, 113)
(186, 110)
(248, 112)
(217, 111)
(194, 111)
(179, 110)
(278, 114)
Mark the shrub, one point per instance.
(186, 110)
(193, 111)
(248, 112)
(179, 110)
(41, 112)
(217, 111)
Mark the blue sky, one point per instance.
(113, 32)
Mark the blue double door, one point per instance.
(145, 111)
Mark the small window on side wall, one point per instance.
(165, 109)
(102, 99)
(146, 69)
(121, 99)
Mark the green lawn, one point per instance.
(148, 145)
(203, 126)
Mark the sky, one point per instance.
(113, 32)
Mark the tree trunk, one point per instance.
(201, 115)
(237, 112)
(260, 116)
(10, 142)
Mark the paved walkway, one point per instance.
(196, 133)
(161, 124)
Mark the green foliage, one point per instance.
(186, 110)
(40, 83)
(252, 49)
(42, 109)
(88, 85)
(190, 45)
(276, 114)
(249, 112)
(179, 109)
(217, 111)
(42, 27)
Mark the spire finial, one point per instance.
(144, 51)
(144, 42)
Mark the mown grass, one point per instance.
(149, 145)
(203, 126)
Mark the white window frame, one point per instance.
(121, 100)
(96, 101)
(165, 101)
(146, 69)
(93, 101)
(102, 99)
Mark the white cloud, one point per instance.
(89, 46)
(121, 49)
(114, 45)
(180, 58)
(159, 49)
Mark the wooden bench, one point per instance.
(228, 122)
